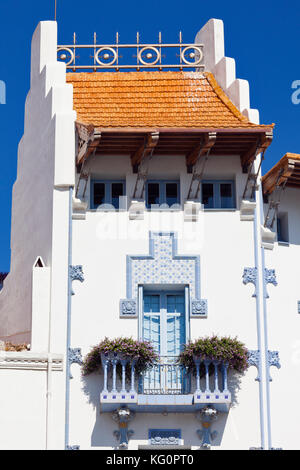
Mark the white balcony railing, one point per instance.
(165, 378)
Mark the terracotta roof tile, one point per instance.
(154, 99)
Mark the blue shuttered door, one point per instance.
(164, 326)
(151, 333)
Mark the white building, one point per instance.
(130, 139)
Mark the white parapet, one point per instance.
(46, 155)
(239, 94)
(211, 35)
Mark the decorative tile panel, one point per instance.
(164, 437)
(162, 266)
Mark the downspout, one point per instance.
(68, 343)
(259, 336)
(48, 395)
(265, 319)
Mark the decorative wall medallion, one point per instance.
(270, 278)
(162, 266)
(74, 356)
(76, 274)
(250, 276)
(164, 437)
(273, 360)
(128, 308)
(199, 308)
(254, 360)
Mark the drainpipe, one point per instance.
(259, 335)
(265, 319)
(48, 395)
(261, 318)
(68, 343)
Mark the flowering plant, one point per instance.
(224, 349)
(141, 352)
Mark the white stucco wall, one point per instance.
(283, 325)
(45, 166)
(225, 245)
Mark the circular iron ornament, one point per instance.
(199, 55)
(150, 48)
(63, 57)
(110, 49)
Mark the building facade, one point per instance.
(139, 211)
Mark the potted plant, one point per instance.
(223, 350)
(141, 353)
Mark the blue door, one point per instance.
(164, 325)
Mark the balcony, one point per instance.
(166, 387)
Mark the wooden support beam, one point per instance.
(200, 149)
(264, 140)
(88, 140)
(282, 172)
(144, 150)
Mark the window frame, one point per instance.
(163, 194)
(282, 229)
(107, 193)
(217, 195)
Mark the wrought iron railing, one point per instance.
(120, 56)
(166, 377)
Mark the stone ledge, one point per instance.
(30, 361)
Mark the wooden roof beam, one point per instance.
(278, 175)
(88, 140)
(264, 140)
(144, 150)
(207, 142)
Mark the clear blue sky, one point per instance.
(263, 37)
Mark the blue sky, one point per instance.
(263, 37)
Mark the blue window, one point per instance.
(105, 193)
(164, 193)
(218, 194)
(282, 228)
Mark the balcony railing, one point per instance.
(165, 379)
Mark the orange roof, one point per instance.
(154, 99)
(285, 172)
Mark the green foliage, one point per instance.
(224, 349)
(141, 352)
